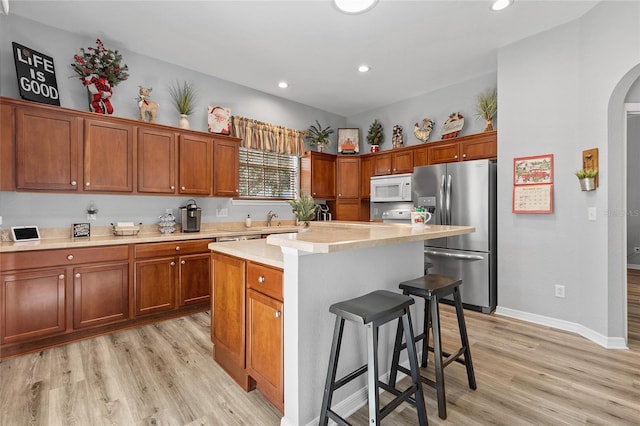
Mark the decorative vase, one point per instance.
(375, 148)
(303, 226)
(489, 126)
(183, 123)
(320, 147)
(588, 184)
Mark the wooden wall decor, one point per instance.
(590, 161)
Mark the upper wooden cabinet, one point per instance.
(444, 153)
(156, 161)
(420, 156)
(7, 148)
(108, 156)
(226, 167)
(366, 171)
(348, 177)
(318, 175)
(382, 164)
(195, 161)
(47, 144)
(402, 161)
(480, 146)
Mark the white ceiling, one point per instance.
(412, 46)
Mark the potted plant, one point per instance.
(184, 97)
(375, 136)
(587, 179)
(317, 136)
(487, 107)
(304, 208)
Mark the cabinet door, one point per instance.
(7, 148)
(365, 177)
(194, 279)
(348, 210)
(382, 164)
(100, 294)
(348, 177)
(156, 161)
(33, 304)
(420, 157)
(226, 168)
(195, 160)
(265, 346)
(403, 162)
(155, 285)
(444, 153)
(108, 156)
(318, 175)
(480, 148)
(47, 146)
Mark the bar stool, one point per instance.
(373, 310)
(432, 288)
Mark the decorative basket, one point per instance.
(126, 230)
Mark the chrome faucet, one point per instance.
(270, 217)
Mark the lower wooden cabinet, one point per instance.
(33, 304)
(246, 324)
(155, 285)
(100, 294)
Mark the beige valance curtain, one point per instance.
(268, 137)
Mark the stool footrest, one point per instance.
(349, 377)
(336, 418)
(401, 396)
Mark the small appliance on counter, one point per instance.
(190, 217)
(323, 212)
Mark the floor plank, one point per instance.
(163, 374)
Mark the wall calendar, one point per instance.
(533, 184)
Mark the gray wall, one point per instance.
(61, 210)
(561, 92)
(633, 189)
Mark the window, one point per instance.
(267, 174)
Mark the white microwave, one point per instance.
(393, 188)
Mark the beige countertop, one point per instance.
(327, 237)
(102, 236)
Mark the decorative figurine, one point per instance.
(146, 106)
(424, 133)
(396, 136)
(451, 128)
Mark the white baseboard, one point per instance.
(604, 341)
(632, 266)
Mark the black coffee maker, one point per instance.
(190, 217)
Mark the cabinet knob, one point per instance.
(339, 195)
(177, 248)
(77, 274)
(172, 187)
(61, 277)
(183, 188)
(87, 184)
(314, 193)
(464, 155)
(455, 156)
(183, 262)
(74, 183)
(277, 314)
(261, 279)
(70, 257)
(173, 264)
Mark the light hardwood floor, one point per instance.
(163, 374)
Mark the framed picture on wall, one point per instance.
(348, 141)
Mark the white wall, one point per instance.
(554, 92)
(436, 105)
(21, 208)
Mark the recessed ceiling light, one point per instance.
(364, 68)
(354, 6)
(283, 85)
(501, 4)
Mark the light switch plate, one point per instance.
(591, 213)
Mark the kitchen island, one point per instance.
(331, 262)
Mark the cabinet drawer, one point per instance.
(172, 248)
(46, 258)
(265, 279)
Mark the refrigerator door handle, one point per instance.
(454, 255)
(448, 200)
(443, 218)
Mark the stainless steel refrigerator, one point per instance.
(462, 193)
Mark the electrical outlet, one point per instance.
(560, 291)
(591, 213)
(636, 249)
(222, 212)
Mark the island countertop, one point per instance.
(329, 237)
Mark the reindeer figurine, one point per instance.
(147, 106)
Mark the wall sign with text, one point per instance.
(36, 75)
